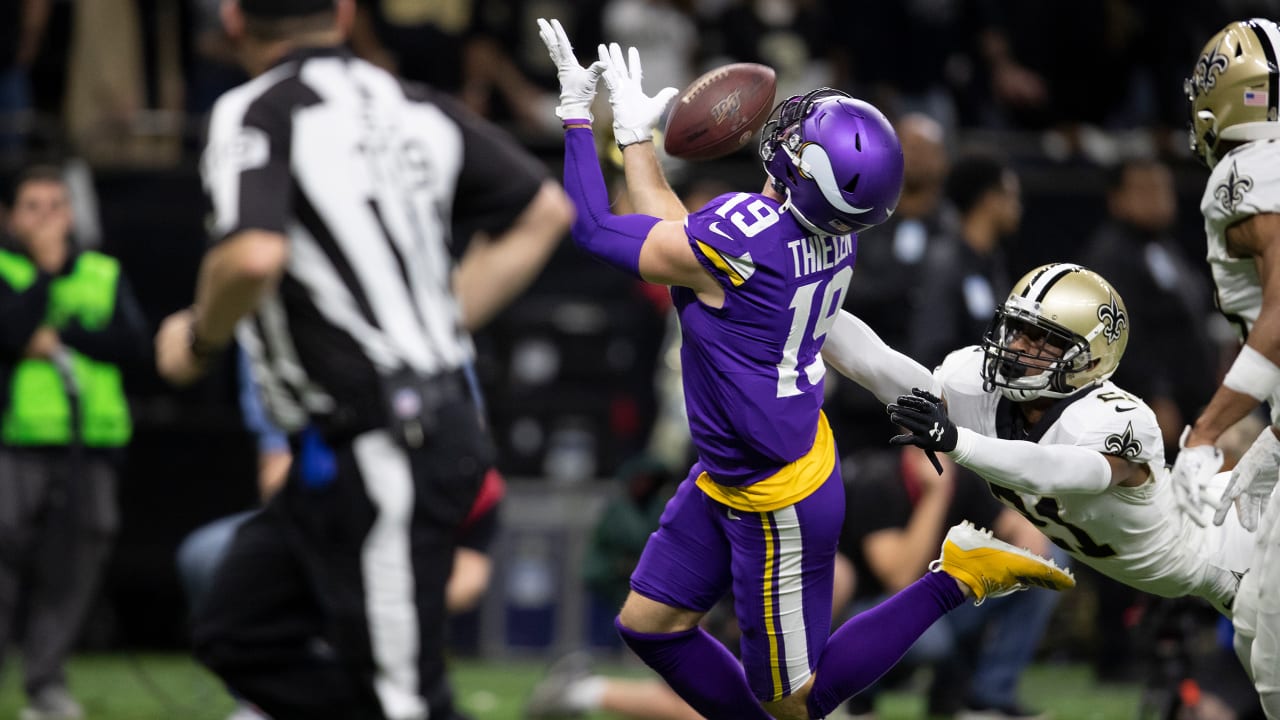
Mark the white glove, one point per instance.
(1192, 470)
(1252, 481)
(577, 84)
(635, 114)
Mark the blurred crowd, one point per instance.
(124, 80)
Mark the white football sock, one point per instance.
(586, 694)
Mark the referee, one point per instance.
(335, 190)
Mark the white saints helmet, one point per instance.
(1073, 329)
(1234, 88)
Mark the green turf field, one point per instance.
(171, 687)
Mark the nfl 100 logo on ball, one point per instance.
(718, 113)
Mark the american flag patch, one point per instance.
(1255, 98)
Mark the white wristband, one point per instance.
(1252, 374)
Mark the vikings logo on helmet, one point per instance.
(835, 158)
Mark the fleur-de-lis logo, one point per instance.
(1231, 192)
(1123, 444)
(1210, 65)
(1113, 320)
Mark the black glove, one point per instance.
(925, 417)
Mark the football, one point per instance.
(720, 112)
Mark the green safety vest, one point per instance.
(39, 411)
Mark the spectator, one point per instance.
(419, 40)
(963, 278)
(1043, 61)
(897, 510)
(469, 49)
(1169, 301)
(122, 101)
(665, 32)
(22, 24)
(70, 322)
(213, 68)
(335, 188)
(778, 34)
(927, 79)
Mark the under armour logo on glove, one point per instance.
(926, 421)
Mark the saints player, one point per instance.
(1234, 91)
(1032, 411)
(757, 278)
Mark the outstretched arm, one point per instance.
(641, 245)
(1017, 464)
(1043, 469)
(856, 352)
(635, 114)
(644, 246)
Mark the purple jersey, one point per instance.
(753, 373)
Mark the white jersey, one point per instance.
(1136, 535)
(1244, 183)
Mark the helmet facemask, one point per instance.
(1070, 328)
(783, 127)
(784, 118)
(1042, 369)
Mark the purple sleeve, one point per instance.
(615, 239)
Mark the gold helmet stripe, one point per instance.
(1269, 41)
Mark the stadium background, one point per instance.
(118, 92)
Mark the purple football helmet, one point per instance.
(837, 160)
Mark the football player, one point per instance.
(1234, 91)
(1032, 411)
(757, 278)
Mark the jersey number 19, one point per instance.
(803, 311)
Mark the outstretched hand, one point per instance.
(635, 114)
(1252, 480)
(1192, 470)
(927, 424)
(577, 83)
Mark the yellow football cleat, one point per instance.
(992, 568)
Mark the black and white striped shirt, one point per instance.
(366, 176)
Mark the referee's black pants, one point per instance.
(330, 602)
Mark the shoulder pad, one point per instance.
(723, 233)
(1113, 422)
(1246, 182)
